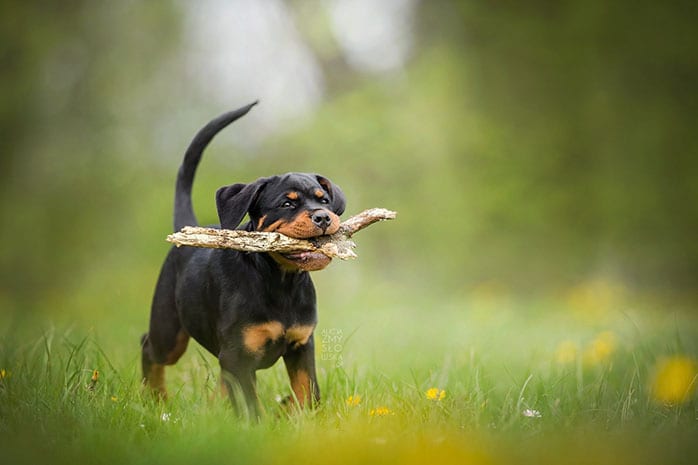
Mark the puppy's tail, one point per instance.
(183, 209)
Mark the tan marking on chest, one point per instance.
(255, 337)
(298, 335)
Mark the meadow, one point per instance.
(534, 302)
(588, 376)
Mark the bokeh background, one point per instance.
(542, 272)
(532, 150)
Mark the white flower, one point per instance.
(530, 413)
(165, 417)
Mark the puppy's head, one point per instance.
(299, 205)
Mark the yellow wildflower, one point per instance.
(353, 401)
(595, 300)
(600, 349)
(566, 352)
(674, 380)
(4, 374)
(93, 381)
(435, 394)
(380, 412)
(114, 399)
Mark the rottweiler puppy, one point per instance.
(247, 309)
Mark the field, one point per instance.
(533, 303)
(587, 376)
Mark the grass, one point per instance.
(584, 378)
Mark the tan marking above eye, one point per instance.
(255, 337)
(319, 193)
(292, 195)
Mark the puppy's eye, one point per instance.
(324, 201)
(288, 204)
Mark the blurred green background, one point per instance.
(542, 270)
(527, 147)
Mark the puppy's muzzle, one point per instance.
(321, 219)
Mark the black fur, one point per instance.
(248, 309)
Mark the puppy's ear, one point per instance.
(234, 201)
(337, 200)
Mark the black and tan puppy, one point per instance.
(248, 309)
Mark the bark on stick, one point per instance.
(338, 245)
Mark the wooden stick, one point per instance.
(337, 245)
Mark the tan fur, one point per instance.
(155, 379)
(255, 337)
(298, 335)
(300, 384)
(274, 227)
(179, 348)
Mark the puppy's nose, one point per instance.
(321, 219)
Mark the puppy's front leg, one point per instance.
(300, 365)
(238, 375)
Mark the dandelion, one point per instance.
(435, 394)
(531, 413)
(566, 352)
(674, 380)
(4, 374)
(93, 380)
(354, 400)
(114, 399)
(594, 300)
(380, 412)
(600, 349)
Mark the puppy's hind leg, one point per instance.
(153, 369)
(153, 373)
(166, 340)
